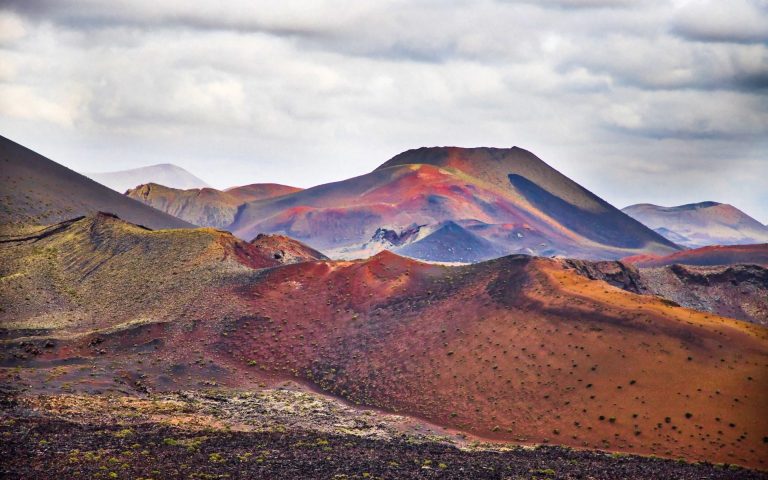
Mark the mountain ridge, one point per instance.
(205, 206)
(701, 224)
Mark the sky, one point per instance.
(658, 101)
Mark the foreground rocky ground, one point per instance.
(279, 434)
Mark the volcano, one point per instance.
(508, 199)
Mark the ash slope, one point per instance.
(701, 224)
(517, 349)
(36, 190)
(165, 173)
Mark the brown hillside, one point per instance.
(98, 272)
(206, 207)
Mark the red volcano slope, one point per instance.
(733, 291)
(708, 256)
(517, 349)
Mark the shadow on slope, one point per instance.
(598, 227)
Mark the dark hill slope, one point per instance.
(36, 190)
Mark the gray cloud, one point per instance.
(740, 21)
(593, 4)
(608, 91)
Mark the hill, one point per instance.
(512, 199)
(36, 190)
(707, 256)
(701, 224)
(99, 271)
(165, 174)
(260, 191)
(205, 206)
(517, 349)
(450, 242)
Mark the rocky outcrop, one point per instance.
(736, 291)
(618, 274)
(285, 250)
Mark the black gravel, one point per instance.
(44, 448)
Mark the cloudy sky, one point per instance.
(661, 101)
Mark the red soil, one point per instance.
(515, 349)
(707, 256)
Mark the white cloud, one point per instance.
(11, 28)
(22, 102)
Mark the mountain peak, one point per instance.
(166, 174)
(450, 156)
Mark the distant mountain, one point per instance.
(205, 206)
(508, 197)
(498, 201)
(700, 224)
(36, 190)
(164, 174)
